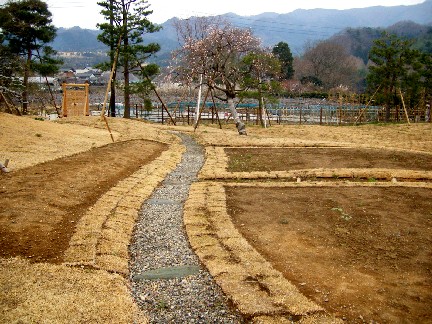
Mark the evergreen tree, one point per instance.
(127, 21)
(283, 53)
(261, 73)
(26, 28)
(393, 67)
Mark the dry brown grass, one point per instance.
(43, 293)
(50, 293)
(411, 137)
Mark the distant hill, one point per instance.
(358, 41)
(76, 39)
(295, 28)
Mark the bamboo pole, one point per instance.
(8, 106)
(217, 113)
(109, 88)
(110, 79)
(370, 100)
(403, 103)
(200, 110)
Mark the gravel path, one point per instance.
(160, 254)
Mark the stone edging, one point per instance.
(216, 164)
(102, 235)
(260, 292)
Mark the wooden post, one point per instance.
(188, 115)
(403, 103)
(162, 114)
(110, 80)
(217, 113)
(8, 105)
(197, 119)
(321, 110)
(300, 120)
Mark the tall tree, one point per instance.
(262, 70)
(10, 69)
(127, 21)
(26, 30)
(392, 59)
(328, 64)
(426, 77)
(283, 53)
(217, 57)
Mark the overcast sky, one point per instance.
(85, 13)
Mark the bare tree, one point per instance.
(215, 57)
(329, 64)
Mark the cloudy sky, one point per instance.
(85, 13)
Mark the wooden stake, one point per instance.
(200, 110)
(110, 80)
(403, 103)
(217, 113)
(109, 129)
(8, 106)
(363, 110)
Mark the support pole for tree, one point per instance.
(403, 103)
(200, 110)
(158, 96)
(50, 90)
(367, 105)
(197, 110)
(110, 78)
(109, 88)
(8, 106)
(162, 102)
(217, 113)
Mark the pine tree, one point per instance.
(393, 60)
(283, 53)
(26, 28)
(127, 21)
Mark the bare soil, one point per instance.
(284, 159)
(363, 253)
(374, 242)
(40, 205)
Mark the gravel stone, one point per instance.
(160, 241)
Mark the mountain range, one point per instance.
(296, 28)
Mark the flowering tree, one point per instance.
(217, 58)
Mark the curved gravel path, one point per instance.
(167, 279)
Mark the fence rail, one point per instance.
(293, 112)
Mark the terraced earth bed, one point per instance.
(249, 159)
(41, 205)
(362, 252)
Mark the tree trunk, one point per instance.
(126, 67)
(25, 82)
(126, 90)
(112, 98)
(241, 127)
(112, 58)
(387, 105)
